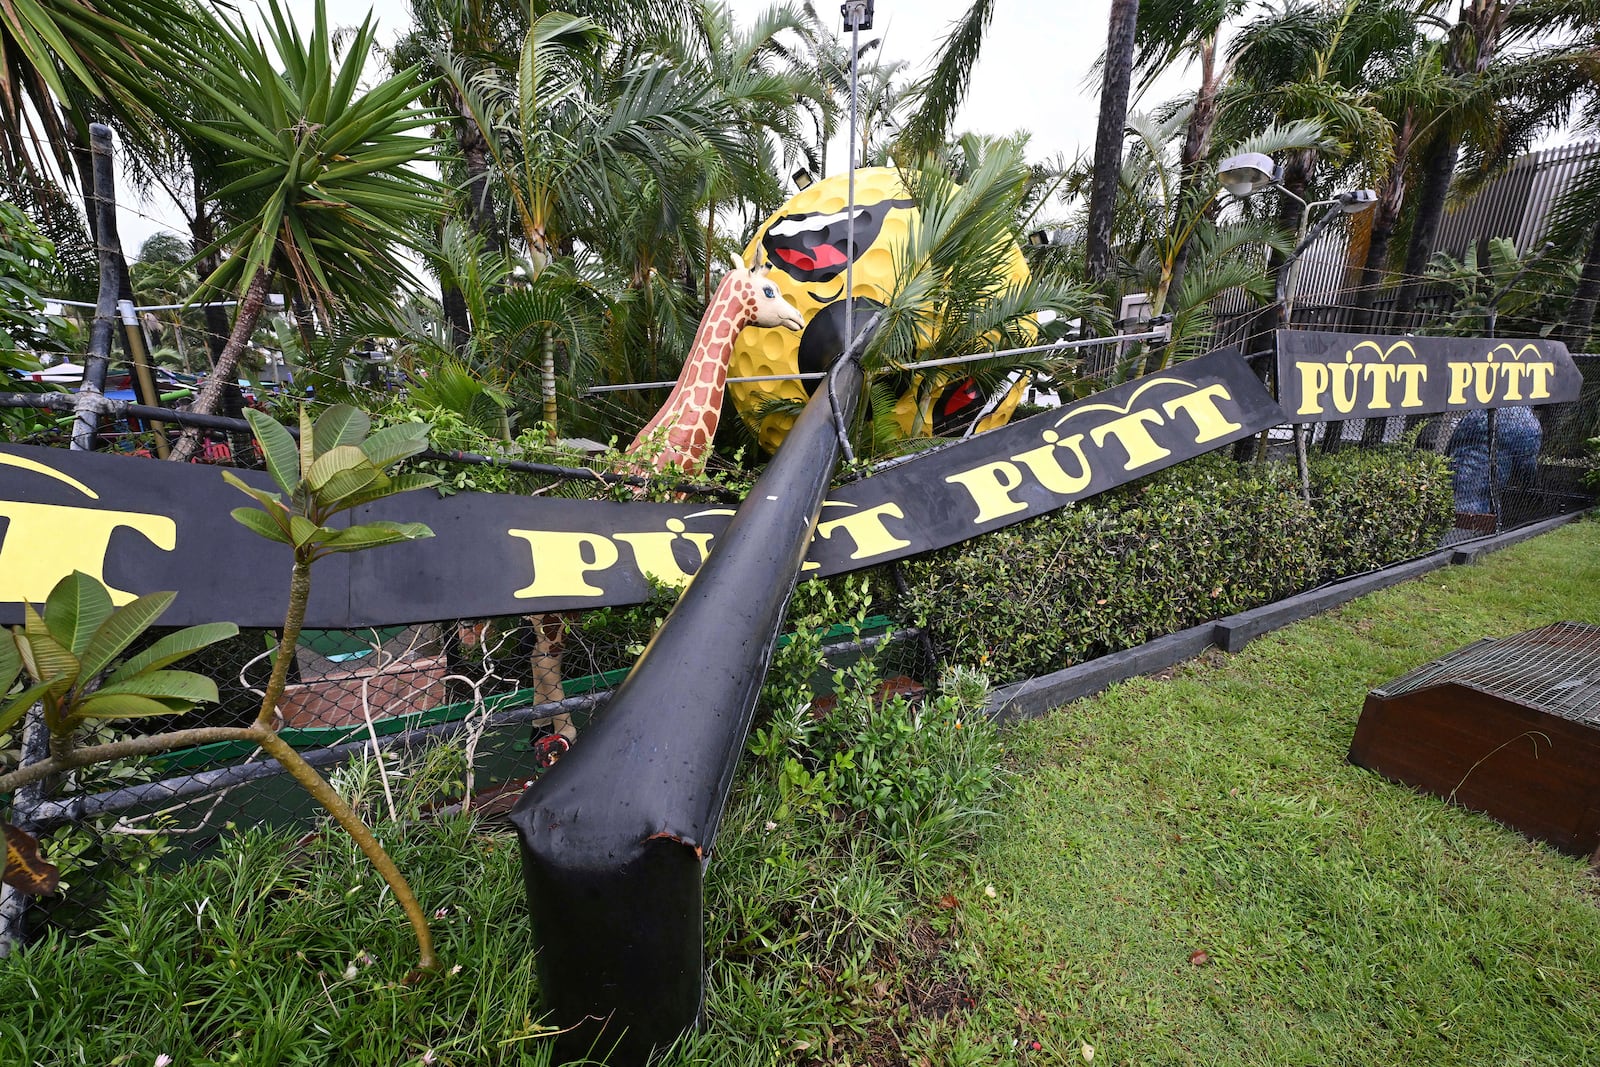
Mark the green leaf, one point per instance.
(123, 706)
(260, 522)
(124, 627)
(340, 425)
(74, 609)
(12, 713)
(173, 647)
(398, 483)
(373, 534)
(303, 530)
(277, 444)
(161, 685)
(360, 482)
(266, 499)
(52, 661)
(394, 443)
(336, 460)
(10, 661)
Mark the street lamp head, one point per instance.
(1246, 173)
(1357, 200)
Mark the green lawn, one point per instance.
(1343, 920)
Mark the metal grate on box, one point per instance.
(1555, 668)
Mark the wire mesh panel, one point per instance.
(1555, 668)
(1510, 727)
(407, 722)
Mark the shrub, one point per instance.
(1380, 506)
(1196, 542)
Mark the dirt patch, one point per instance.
(915, 981)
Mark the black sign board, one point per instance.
(1327, 377)
(142, 525)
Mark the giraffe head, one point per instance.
(763, 301)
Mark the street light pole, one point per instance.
(1248, 173)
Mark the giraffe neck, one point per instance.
(687, 422)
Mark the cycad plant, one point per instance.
(314, 174)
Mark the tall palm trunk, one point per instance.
(202, 232)
(1108, 135)
(455, 313)
(474, 149)
(182, 345)
(244, 324)
(1473, 45)
(547, 382)
(1385, 219)
(1436, 178)
(1196, 145)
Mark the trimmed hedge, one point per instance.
(1197, 542)
(1380, 507)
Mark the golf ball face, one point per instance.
(806, 244)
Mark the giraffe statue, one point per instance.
(684, 428)
(687, 421)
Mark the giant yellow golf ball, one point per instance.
(805, 243)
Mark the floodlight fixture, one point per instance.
(1246, 173)
(802, 179)
(857, 14)
(1356, 201)
(1039, 238)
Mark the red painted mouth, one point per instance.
(810, 247)
(823, 257)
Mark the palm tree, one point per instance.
(313, 174)
(1173, 31)
(1118, 70)
(941, 91)
(1411, 87)
(1575, 231)
(162, 275)
(462, 37)
(584, 124)
(63, 62)
(1171, 242)
(1312, 62)
(1516, 77)
(766, 88)
(514, 313)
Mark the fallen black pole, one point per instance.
(615, 837)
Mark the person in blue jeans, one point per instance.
(1518, 438)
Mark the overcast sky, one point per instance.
(1031, 76)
